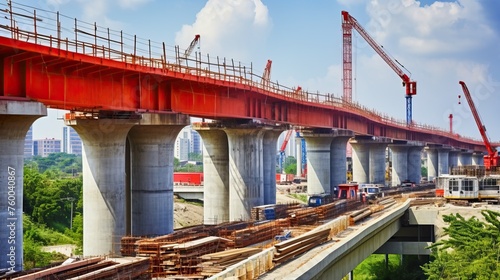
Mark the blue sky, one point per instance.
(439, 42)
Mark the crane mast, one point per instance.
(348, 23)
(492, 158)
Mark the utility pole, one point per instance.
(70, 199)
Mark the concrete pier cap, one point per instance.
(16, 117)
(326, 158)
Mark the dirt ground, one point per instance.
(188, 214)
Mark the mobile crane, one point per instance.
(348, 23)
(491, 160)
(190, 49)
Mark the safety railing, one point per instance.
(48, 28)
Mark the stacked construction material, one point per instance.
(128, 245)
(290, 248)
(305, 216)
(280, 211)
(183, 259)
(255, 234)
(214, 263)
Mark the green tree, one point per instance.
(290, 166)
(472, 250)
(195, 157)
(423, 171)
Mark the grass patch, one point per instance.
(299, 196)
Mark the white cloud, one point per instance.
(228, 27)
(131, 4)
(441, 27)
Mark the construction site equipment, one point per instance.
(491, 160)
(190, 49)
(348, 23)
(266, 76)
(303, 152)
(282, 151)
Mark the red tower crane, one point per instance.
(492, 158)
(282, 149)
(348, 23)
(266, 76)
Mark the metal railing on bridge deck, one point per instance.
(48, 28)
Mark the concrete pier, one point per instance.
(326, 159)
(16, 119)
(246, 187)
(478, 158)
(269, 142)
(453, 158)
(216, 175)
(152, 156)
(104, 183)
(443, 154)
(360, 162)
(377, 163)
(338, 160)
(399, 163)
(415, 164)
(465, 158)
(432, 163)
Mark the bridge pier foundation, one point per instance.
(269, 147)
(16, 119)
(152, 156)
(104, 185)
(216, 175)
(246, 188)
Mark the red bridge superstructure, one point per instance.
(129, 98)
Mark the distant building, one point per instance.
(75, 143)
(44, 147)
(28, 143)
(72, 144)
(65, 140)
(195, 142)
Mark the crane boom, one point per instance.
(266, 76)
(348, 23)
(191, 47)
(282, 149)
(492, 159)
